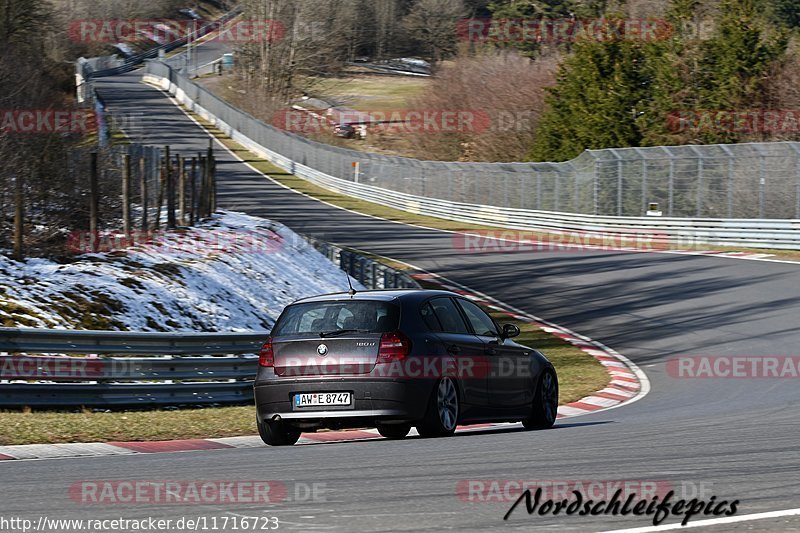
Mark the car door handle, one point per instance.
(454, 349)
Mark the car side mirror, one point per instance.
(509, 331)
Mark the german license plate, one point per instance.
(316, 399)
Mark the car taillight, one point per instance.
(267, 357)
(394, 347)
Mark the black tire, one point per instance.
(441, 417)
(545, 402)
(277, 433)
(394, 431)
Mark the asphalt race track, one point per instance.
(736, 439)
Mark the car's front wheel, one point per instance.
(394, 431)
(545, 403)
(443, 411)
(277, 433)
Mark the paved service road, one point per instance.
(732, 438)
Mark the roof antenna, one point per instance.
(352, 291)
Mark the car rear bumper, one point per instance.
(373, 400)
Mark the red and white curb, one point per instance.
(628, 384)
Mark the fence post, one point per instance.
(162, 182)
(762, 184)
(730, 179)
(619, 183)
(797, 192)
(213, 185)
(170, 186)
(94, 200)
(209, 177)
(644, 183)
(143, 190)
(19, 217)
(699, 199)
(181, 190)
(699, 192)
(556, 191)
(596, 187)
(538, 190)
(201, 195)
(671, 184)
(126, 194)
(193, 193)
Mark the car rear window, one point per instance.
(318, 317)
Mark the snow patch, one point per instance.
(197, 279)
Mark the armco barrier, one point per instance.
(753, 233)
(166, 377)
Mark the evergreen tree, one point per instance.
(599, 94)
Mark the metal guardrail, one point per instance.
(164, 378)
(129, 343)
(677, 232)
(370, 273)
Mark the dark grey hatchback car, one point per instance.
(393, 360)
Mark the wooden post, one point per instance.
(213, 184)
(202, 195)
(126, 194)
(143, 191)
(193, 193)
(94, 201)
(210, 177)
(182, 190)
(162, 183)
(170, 186)
(19, 218)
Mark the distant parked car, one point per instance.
(393, 360)
(190, 13)
(346, 131)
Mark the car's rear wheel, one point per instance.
(545, 403)
(394, 431)
(443, 411)
(277, 433)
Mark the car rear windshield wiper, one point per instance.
(337, 332)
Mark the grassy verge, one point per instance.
(52, 427)
(370, 93)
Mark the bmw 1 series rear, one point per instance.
(392, 360)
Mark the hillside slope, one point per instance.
(232, 273)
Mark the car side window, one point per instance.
(481, 323)
(448, 315)
(428, 316)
